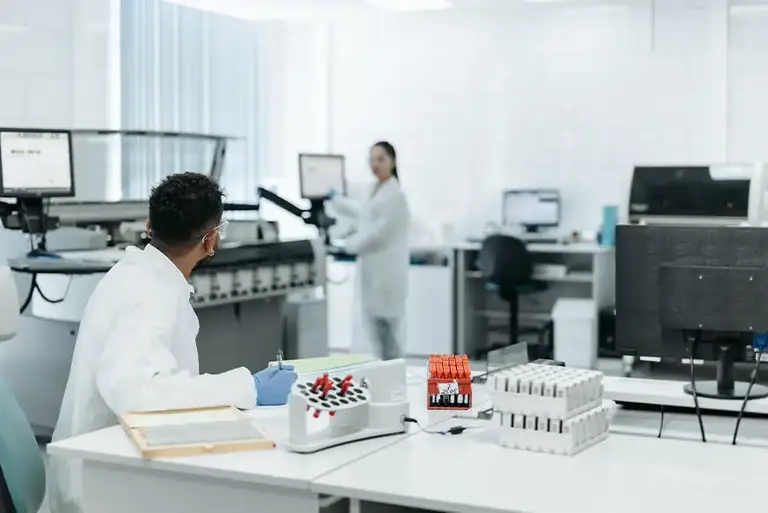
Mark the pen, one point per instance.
(280, 359)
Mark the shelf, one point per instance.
(572, 277)
(501, 314)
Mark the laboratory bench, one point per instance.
(632, 471)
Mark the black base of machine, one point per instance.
(710, 390)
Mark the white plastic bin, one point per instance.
(576, 332)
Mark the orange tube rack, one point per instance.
(449, 382)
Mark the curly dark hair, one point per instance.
(183, 207)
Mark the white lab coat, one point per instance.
(136, 350)
(380, 229)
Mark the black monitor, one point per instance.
(693, 292)
(320, 174)
(531, 208)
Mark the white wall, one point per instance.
(55, 62)
(549, 95)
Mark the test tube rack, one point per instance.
(369, 403)
(550, 409)
(449, 383)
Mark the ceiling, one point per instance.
(319, 9)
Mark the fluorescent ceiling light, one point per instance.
(410, 5)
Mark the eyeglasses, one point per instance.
(221, 229)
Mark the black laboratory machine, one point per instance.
(694, 194)
(693, 292)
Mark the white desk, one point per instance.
(118, 480)
(631, 472)
(626, 473)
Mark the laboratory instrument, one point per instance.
(693, 292)
(531, 208)
(368, 403)
(548, 408)
(449, 382)
(723, 194)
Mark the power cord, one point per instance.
(752, 380)
(30, 293)
(693, 389)
(53, 301)
(455, 430)
(35, 286)
(661, 422)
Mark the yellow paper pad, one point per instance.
(326, 363)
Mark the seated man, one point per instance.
(136, 347)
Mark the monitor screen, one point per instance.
(319, 174)
(36, 163)
(531, 208)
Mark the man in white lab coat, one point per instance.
(136, 347)
(379, 237)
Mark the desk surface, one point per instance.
(627, 473)
(631, 472)
(278, 467)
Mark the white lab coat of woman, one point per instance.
(380, 228)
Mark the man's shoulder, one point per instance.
(130, 281)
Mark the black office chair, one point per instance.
(504, 262)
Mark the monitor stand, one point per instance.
(725, 387)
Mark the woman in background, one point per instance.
(379, 238)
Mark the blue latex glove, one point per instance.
(273, 385)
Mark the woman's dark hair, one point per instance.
(389, 150)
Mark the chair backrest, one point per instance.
(22, 463)
(504, 261)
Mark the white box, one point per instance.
(576, 332)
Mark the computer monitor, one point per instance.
(320, 174)
(36, 163)
(532, 209)
(693, 292)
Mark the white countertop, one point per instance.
(626, 473)
(632, 471)
(278, 467)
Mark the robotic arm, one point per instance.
(9, 304)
